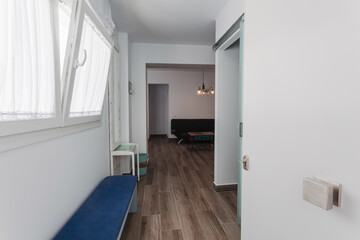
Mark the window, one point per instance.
(89, 71)
(28, 67)
(90, 79)
(55, 58)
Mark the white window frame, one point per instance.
(69, 40)
(82, 8)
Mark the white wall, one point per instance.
(227, 116)
(156, 53)
(124, 121)
(158, 108)
(183, 99)
(301, 117)
(41, 185)
(114, 100)
(231, 12)
(119, 102)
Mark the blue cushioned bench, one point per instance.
(103, 214)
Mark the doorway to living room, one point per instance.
(172, 90)
(177, 195)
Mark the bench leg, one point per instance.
(133, 204)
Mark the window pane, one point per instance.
(27, 83)
(90, 79)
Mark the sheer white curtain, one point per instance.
(64, 23)
(90, 79)
(27, 67)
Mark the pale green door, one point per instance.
(241, 60)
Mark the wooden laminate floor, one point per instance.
(176, 199)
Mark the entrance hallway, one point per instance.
(176, 199)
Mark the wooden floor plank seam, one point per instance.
(177, 211)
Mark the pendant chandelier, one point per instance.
(202, 90)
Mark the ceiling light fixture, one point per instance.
(202, 90)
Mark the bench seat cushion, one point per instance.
(103, 213)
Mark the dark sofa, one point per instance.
(180, 127)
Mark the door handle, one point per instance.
(245, 162)
(80, 64)
(241, 129)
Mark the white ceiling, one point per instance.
(167, 21)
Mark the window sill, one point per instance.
(20, 140)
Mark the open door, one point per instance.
(240, 162)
